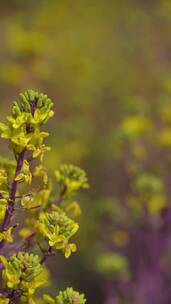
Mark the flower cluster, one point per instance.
(22, 128)
(23, 271)
(58, 228)
(71, 178)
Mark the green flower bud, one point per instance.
(68, 296)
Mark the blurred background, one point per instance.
(107, 66)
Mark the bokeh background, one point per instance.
(107, 66)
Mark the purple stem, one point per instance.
(11, 201)
(61, 196)
(47, 254)
(26, 243)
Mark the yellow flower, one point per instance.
(25, 173)
(3, 206)
(3, 177)
(20, 120)
(41, 117)
(7, 235)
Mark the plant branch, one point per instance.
(61, 196)
(47, 254)
(11, 201)
(26, 244)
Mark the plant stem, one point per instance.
(27, 242)
(47, 254)
(61, 196)
(11, 201)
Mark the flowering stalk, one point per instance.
(23, 272)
